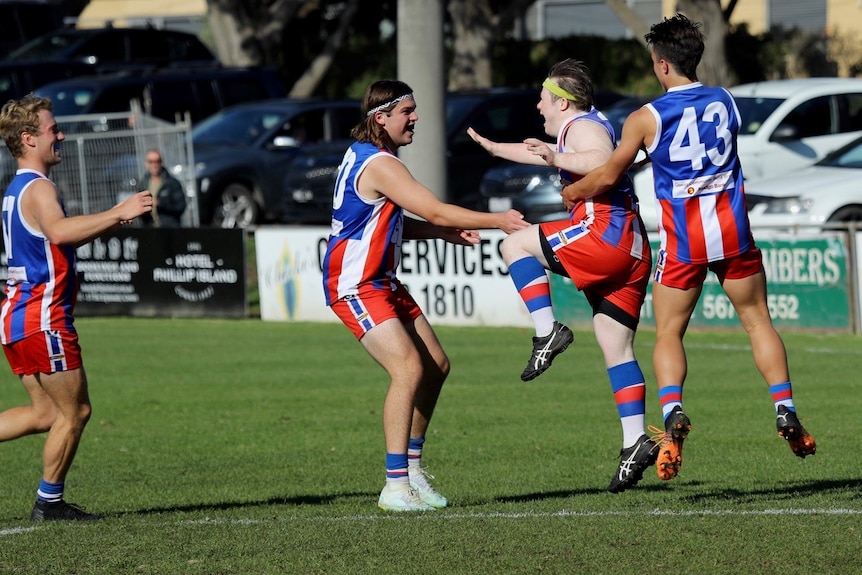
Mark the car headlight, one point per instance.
(791, 205)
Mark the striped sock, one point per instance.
(629, 387)
(396, 470)
(669, 397)
(414, 452)
(533, 286)
(782, 394)
(50, 492)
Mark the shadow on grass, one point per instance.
(781, 492)
(225, 505)
(795, 490)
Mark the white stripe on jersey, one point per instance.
(356, 256)
(711, 228)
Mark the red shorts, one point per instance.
(602, 271)
(44, 352)
(362, 312)
(671, 272)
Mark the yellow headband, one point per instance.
(555, 89)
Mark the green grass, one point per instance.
(250, 447)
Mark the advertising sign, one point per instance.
(453, 284)
(808, 286)
(162, 272)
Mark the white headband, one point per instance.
(381, 107)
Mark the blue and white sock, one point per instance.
(396, 471)
(50, 492)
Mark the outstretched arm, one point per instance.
(390, 178)
(514, 152)
(421, 230)
(42, 210)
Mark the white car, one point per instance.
(786, 125)
(829, 191)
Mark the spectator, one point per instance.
(168, 194)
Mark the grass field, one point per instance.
(244, 447)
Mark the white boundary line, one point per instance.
(498, 515)
(531, 515)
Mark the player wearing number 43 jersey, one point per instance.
(690, 135)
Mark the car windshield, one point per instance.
(45, 47)
(850, 156)
(68, 101)
(754, 111)
(240, 127)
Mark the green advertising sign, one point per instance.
(808, 286)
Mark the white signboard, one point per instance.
(453, 284)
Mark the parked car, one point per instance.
(23, 20)
(18, 79)
(830, 191)
(70, 53)
(242, 154)
(163, 93)
(116, 47)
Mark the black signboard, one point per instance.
(192, 272)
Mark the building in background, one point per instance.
(185, 15)
(557, 18)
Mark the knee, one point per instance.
(510, 249)
(84, 412)
(80, 416)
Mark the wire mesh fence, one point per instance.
(103, 159)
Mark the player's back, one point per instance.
(697, 173)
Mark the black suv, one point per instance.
(115, 47)
(242, 155)
(68, 53)
(23, 20)
(163, 93)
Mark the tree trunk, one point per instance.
(249, 33)
(309, 80)
(472, 23)
(713, 69)
(227, 37)
(630, 18)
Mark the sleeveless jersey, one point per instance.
(42, 284)
(614, 214)
(698, 176)
(364, 246)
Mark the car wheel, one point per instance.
(847, 214)
(236, 208)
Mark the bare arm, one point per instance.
(514, 151)
(636, 131)
(588, 146)
(389, 177)
(420, 230)
(42, 210)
